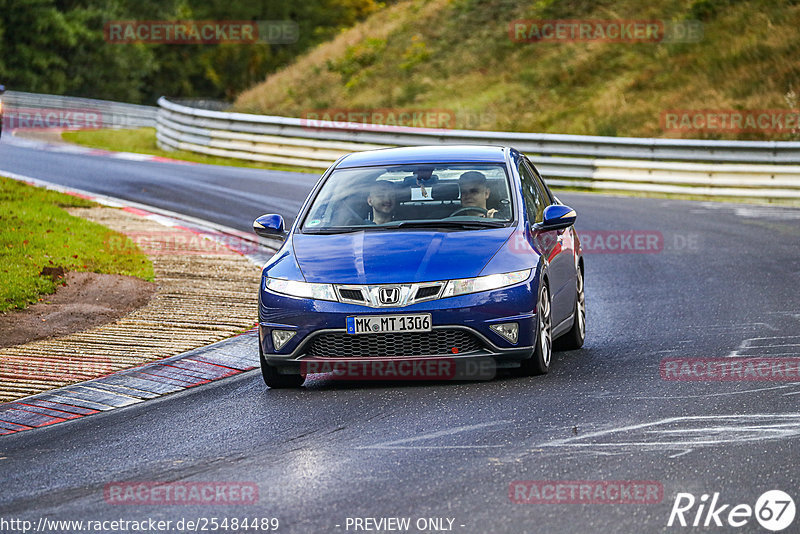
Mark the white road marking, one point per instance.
(395, 447)
(683, 434)
(721, 429)
(732, 327)
(400, 443)
(678, 455)
(751, 344)
(724, 394)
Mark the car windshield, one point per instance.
(463, 195)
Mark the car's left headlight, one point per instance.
(464, 286)
(305, 290)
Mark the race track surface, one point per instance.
(722, 282)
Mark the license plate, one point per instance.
(378, 324)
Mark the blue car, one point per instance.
(2, 90)
(418, 261)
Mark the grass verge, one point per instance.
(465, 58)
(36, 233)
(143, 141)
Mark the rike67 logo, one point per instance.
(774, 510)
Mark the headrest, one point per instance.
(403, 193)
(445, 191)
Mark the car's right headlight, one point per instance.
(305, 290)
(464, 286)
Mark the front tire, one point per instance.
(276, 380)
(573, 339)
(539, 362)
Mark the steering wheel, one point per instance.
(467, 209)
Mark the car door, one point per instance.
(535, 203)
(560, 256)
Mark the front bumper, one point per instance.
(469, 314)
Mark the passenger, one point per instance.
(474, 194)
(383, 201)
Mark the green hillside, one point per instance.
(458, 55)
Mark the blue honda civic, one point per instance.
(422, 255)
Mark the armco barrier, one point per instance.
(749, 169)
(20, 110)
(754, 169)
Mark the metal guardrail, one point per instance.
(32, 110)
(693, 167)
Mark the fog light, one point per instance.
(281, 337)
(510, 331)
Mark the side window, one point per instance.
(540, 184)
(534, 200)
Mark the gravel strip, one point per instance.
(206, 293)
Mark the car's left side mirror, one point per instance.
(270, 225)
(557, 217)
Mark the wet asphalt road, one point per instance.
(723, 282)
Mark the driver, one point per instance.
(383, 201)
(475, 192)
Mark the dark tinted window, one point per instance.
(534, 200)
(540, 184)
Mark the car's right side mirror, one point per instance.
(557, 217)
(271, 226)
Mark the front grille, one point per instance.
(351, 294)
(437, 342)
(425, 292)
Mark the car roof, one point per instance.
(425, 154)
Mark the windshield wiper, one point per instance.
(444, 223)
(333, 230)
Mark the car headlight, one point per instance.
(464, 286)
(305, 290)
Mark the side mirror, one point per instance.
(557, 217)
(270, 225)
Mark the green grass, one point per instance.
(143, 141)
(36, 232)
(457, 55)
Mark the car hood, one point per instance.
(382, 257)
